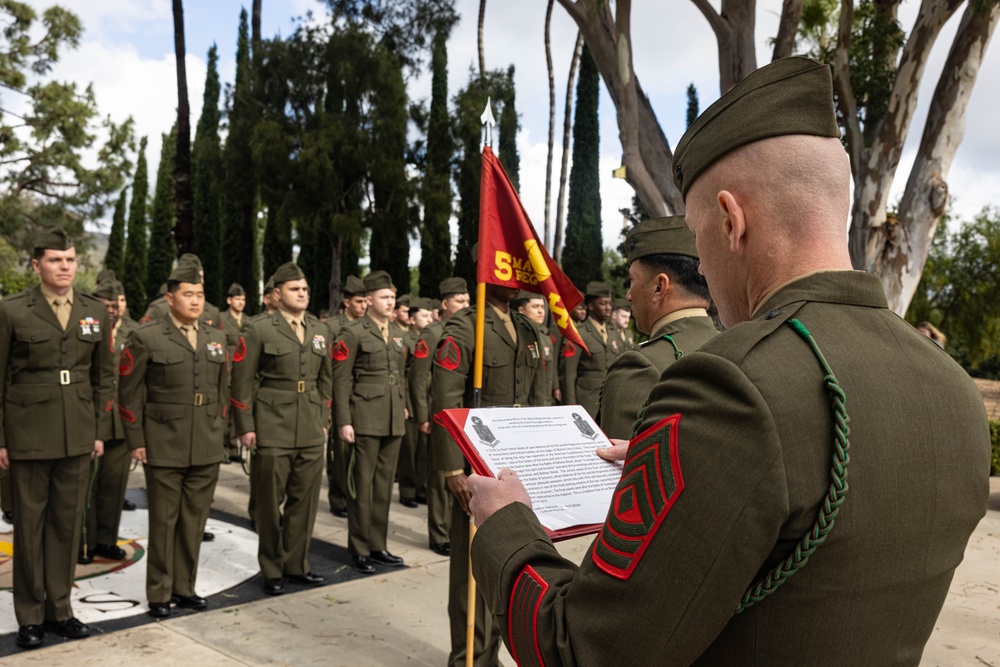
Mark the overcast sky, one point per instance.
(127, 53)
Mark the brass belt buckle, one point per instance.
(64, 377)
(199, 400)
(301, 388)
(516, 405)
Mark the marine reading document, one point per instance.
(552, 450)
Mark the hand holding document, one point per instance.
(552, 450)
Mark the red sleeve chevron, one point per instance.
(522, 617)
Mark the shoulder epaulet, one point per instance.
(148, 325)
(23, 294)
(309, 317)
(736, 342)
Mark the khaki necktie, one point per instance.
(191, 335)
(62, 307)
(509, 324)
(300, 331)
(385, 333)
(604, 333)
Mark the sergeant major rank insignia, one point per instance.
(89, 325)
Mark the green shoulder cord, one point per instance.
(834, 498)
(642, 411)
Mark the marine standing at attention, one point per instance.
(57, 381)
(174, 400)
(803, 487)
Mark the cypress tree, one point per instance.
(508, 124)
(435, 241)
(584, 242)
(161, 241)
(134, 276)
(277, 238)
(206, 169)
(239, 182)
(114, 259)
(692, 110)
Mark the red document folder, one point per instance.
(454, 422)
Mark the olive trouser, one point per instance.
(338, 455)
(104, 506)
(412, 466)
(49, 496)
(179, 501)
(439, 500)
(368, 513)
(6, 495)
(292, 477)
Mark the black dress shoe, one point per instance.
(190, 601)
(236, 458)
(386, 558)
(128, 505)
(71, 628)
(363, 564)
(226, 461)
(207, 537)
(110, 551)
(9, 518)
(307, 579)
(408, 502)
(85, 558)
(339, 511)
(443, 549)
(274, 586)
(421, 499)
(30, 636)
(159, 609)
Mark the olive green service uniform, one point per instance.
(174, 400)
(581, 373)
(104, 506)
(512, 375)
(369, 389)
(418, 377)
(740, 458)
(412, 460)
(549, 352)
(159, 309)
(57, 381)
(287, 406)
(232, 327)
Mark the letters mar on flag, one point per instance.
(510, 253)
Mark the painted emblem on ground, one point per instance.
(106, 589)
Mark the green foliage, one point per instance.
(14, 276)
(136, 244)
(584, 242)
(435, 239)
(161, 240)
(995, 441)
(959, 292)
(206, 171)
(114, 258)
(508, 125)
(45, 179)
(614, 271)
(692, 108)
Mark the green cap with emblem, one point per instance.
(354, 286)
(789, 96)
(660, 236)
(403, 301)
(453, 285)
(377, 280)
(422, 304)
(597, 289)
(192, 259)
(286, 272)
(236, 290)
(109, 290)
(53, 238)
(185, 273)
(106, 276)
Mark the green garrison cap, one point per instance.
(621, 303)
(185, 272)
(453, 285)
(354, 286)
(403, 301)
(106, 276)
(53, 238)
(269, 286)
(287, 271)
(108, 290)
(378, 280)
(597, 289)
(789, 96)
(422, 304)
(660, 236)
(236, 290)
(163, 290)
(192, 259)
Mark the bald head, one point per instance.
(768, 213)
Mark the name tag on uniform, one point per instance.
(89, 325)
(319, 341)
(214, 349)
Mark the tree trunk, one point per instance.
(557, 243)
(336, 254)
(255, 26)
(925, 198)
(547, 235)
(183, 195)
(875, 166)
(788, 27)
(482, 50)
(733, 28)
